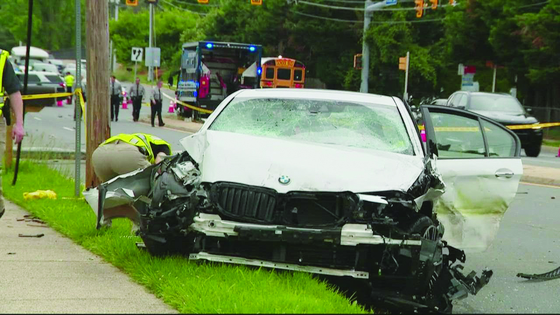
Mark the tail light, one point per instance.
(62, 84)
(298, 86)
(268, 83)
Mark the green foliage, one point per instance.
(187, 286)
(132, 30)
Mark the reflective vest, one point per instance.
(3, 59)
(141, 140)
(69, 79)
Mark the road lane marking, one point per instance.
(542, 185)
(68, 128)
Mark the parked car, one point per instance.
(333, 183)
(42, 83)
(504, 109)
(58, 63)
(47, 67)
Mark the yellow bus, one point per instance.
(278, 72)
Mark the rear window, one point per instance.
(269, 73)
(32, 78)
(54, 79)
(283, 74)
(298, 75)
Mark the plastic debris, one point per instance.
(39, 194)
(554, 274)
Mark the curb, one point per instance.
(172, 126)
(540, 180)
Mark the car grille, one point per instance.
(239, 201)
(256, 204)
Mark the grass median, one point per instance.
(187, 286)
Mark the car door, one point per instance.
(480, 164)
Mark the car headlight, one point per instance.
(536, 127)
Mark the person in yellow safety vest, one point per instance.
(69, 79)
(125, 153)
(10, 85)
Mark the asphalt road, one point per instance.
(527, 242)
(547, 158)
(54, 127)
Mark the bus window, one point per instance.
(284, 74)
(269, 73)
(298, 74)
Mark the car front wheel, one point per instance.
(533, 150)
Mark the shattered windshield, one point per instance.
(360, 125)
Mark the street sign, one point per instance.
(390, 2)
(153, 57)
(132, 3)
(136, 54)
(402, 63)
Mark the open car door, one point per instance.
(480, 164)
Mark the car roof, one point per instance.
(334, 95)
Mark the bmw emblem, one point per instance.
(285, 180)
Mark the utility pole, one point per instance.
(405, 95)
(368, 13)
(150, 68)
(77, 105)
(97, 110)
(112, 55)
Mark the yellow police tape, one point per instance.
(203, 110)
(512, 127)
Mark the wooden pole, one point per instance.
(97, 110)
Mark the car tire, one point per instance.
(533, 150)
(425, 227)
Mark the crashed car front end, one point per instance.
(380, 239)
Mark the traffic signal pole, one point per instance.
(368, 13)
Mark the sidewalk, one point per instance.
(52, 274)
(541, 175)
(172, 121)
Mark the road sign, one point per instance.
(152, 57)
(402, 63)
(132, 3)
(136, 54)
(390, 2)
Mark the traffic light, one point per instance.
(203, 1)
(256, 2)
(402, 63)
(132, 3)
(434, 4)
(419, 8)
(358, 61)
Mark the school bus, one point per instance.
(278, 72)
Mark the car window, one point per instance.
(455, 100)
(369, 126)
(500, 142)
(32, 78)
(54, 78)
(269, 73)
(463, 101)
(457, 136)
(495, 102)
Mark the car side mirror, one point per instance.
(529, 110)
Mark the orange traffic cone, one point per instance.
(558, 152)
(171, 107)
(59, 103)
(124, 104)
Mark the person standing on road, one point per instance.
(116, 92)
(156, 103)
(69, 80)
(11, 86)
(136, 92)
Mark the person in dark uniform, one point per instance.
(136, 93)
(156, 101)
(116, 92)
(10, 85)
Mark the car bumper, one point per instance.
(529, 137)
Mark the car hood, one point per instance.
(261, 161)
(507, 118)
